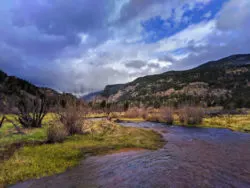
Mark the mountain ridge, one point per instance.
(222, 79)
(176, 71)
(12, 88)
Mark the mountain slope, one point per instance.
(224, 82)
(11, 89)
(91, 96)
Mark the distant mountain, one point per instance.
(12, 88)
(234, 60)
(225, 82)
(91, 96)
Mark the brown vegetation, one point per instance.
(2, 120)
(167, 115)
(72, 116)
(153, 117)
(191, 115)
(31, 111)
(132, 113)
(56, 132)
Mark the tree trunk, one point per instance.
(2, 120)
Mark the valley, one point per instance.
(174, 129)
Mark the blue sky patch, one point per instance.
(156, 28)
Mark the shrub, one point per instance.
(154, 117)
(1, 120)
(144, 114)
(132, 113)
(32, 110)
(72, 121)
(56, 132)
(167, 115)
(150, 109)
(72, 117)
(136, 113)
(191, 115)
(114, 115)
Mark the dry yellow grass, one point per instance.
(233, 122)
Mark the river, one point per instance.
(192, 157)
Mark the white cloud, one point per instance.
(208, 15)
(197, 34)
(84, 56)
(105, 64)
(234, 15)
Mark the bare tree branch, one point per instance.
(18, 129)
(32, 111)
(1, 121)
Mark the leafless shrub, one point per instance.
(17, 127)
(56, 132)
(214, 111)
(114, 115)
(150, 109)
(153, 117)
(132, 113)
(144, 113)
(32, 110)
(30, 113)
(2, 120)
(191, 115)
(72, 117)
(167, 115)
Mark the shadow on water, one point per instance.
(193, 157)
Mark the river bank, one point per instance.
(193, 157)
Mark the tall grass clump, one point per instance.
(56, 132)
(191, 115)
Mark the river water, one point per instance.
(192, 157)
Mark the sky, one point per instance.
(82, 45)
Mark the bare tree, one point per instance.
(1, 111)
(2, 120)
(31, 111)
(17, 127)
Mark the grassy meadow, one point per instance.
(233, 122)
(36, 158)
(29, 155)
(238, 122)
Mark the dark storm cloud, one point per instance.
(47, 27)
(135, 64)
(60, 17)
(34, 33)
(10, 59)
(32, 42)
(135, 7)
(82, 45)
(154, 65)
